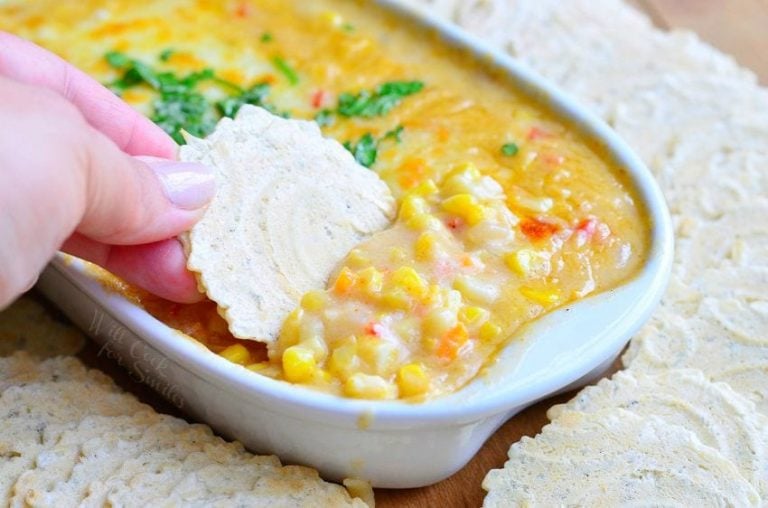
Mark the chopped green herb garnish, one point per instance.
(509, 149)
(183, 110)
(348, 27)
(286, 70)
(166, 54)
(135, 72)
(179, 104)
(255, 95)
(365, 150)
(181, 107)
(117, 60)
(396, 134)
(380, 101)
(325, 117)
(266, 37)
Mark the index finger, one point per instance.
(133, 133)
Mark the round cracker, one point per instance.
(33, 416)
(599, 51)
(701, 342)
(29, 326)
(614, 458)
(21, 369)
(725, 181)
(289, 206)
(680, 107)
(243, 485)
(739, 237)
(720, 417)
(162, 465)
(62, 471)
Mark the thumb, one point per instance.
(137, 200)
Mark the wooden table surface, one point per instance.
(739, 27)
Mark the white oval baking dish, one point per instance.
(392, 444)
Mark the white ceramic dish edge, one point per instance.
(389, 443)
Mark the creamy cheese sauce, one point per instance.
(505, 213)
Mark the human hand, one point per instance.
(83, 172)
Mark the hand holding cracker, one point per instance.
(72, 179)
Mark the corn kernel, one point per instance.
(489, 331)
(466, 207)
(323, 376)
(425, 246)
(397, 299)
(466, 169)
(357, 259)
(237, 353)
(412, 380)
(408, 279)
(265, 369)
(541, 296)
(344, 281)
(473, 315)
(289, 333)
(519, 261)
(476, 290)
(461, 180)
(424, 221)
(364, 386)
(332, 18)
(344, 360)
(425, 188)
(433, 295)
(437, 322)
(379, 354)
(314, 300)
(371, 280)
(298, 364)
(412, 206)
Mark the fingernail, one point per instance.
(187, 185)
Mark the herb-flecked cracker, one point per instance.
(232, 484)
(29, 326)
(91, 450)
(616, 458)
(717, 415)
(289, 206)
(70, 437)
(34, 415)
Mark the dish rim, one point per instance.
(281, 395)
